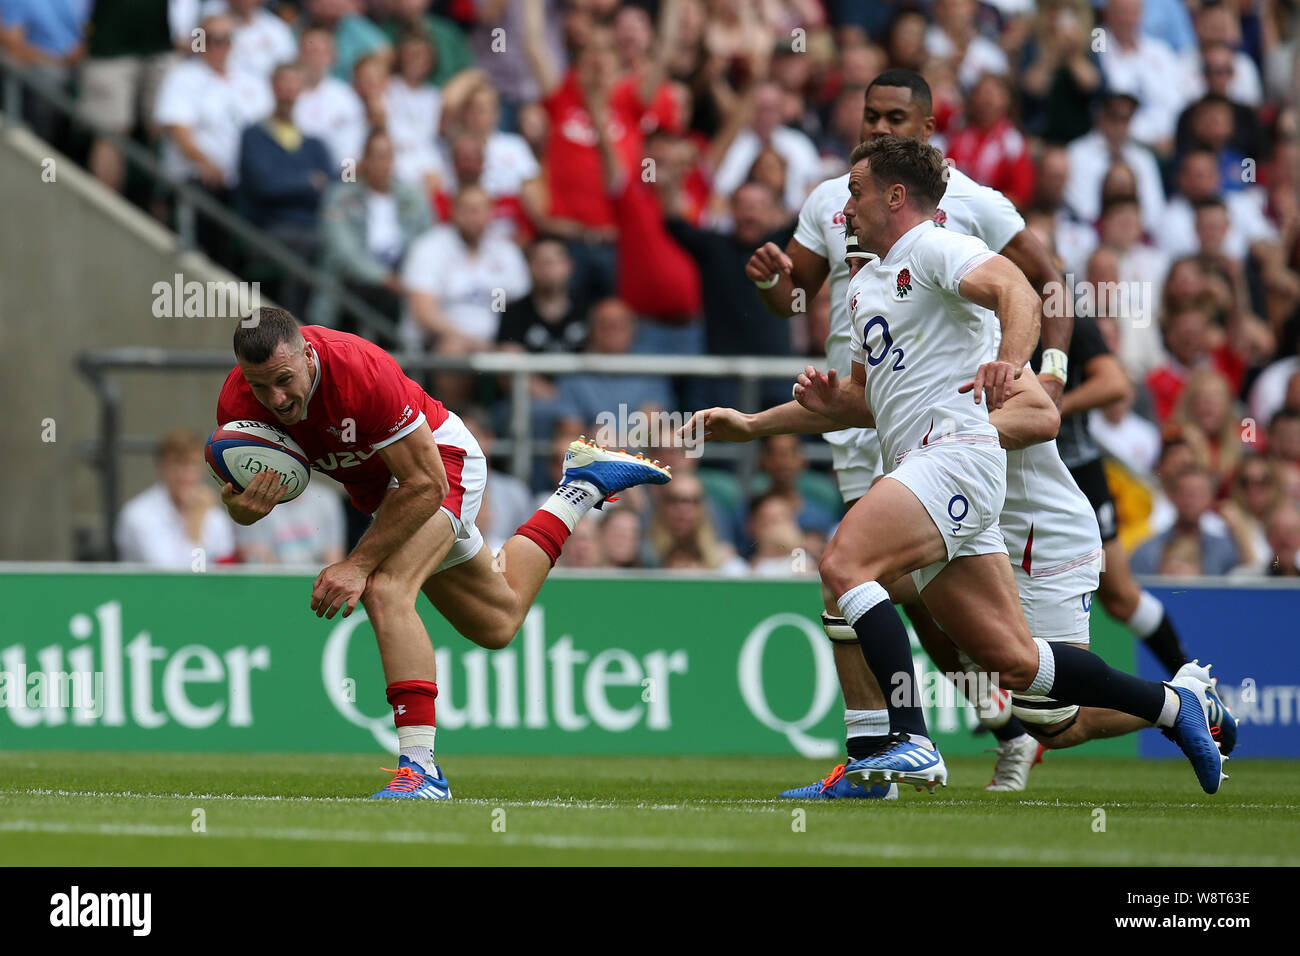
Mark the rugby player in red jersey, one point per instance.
(414, 466)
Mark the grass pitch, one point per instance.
(229, 809)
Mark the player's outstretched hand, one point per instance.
(768, 260)
(817, 391)
(717, 424)
(993, 380)
(338, 587)
(256, 501)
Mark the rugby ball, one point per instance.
(239, 451)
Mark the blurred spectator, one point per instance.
(203, 108)
(583, 397)
(45, 37)
(1145, 67)
(1169, 20)
(1198, 179)
(1254, 494)
(1268, 394)
(1126, 436)
(451, 49)
(128, 52)
(1062, 78)
(954, 37)
(1091, 157)
(1187, 349)
(261, 40)
(1128, 289)
(783, 464)
(1207, 405)
(802, 165)
(681, 534)
(550, 318)
(582, 547)
(989, 148)
(329, 108)
(620, 539)
(179, 519)
(1284, 436)
(905, 40)
(1191, 494)
(282, 177)
(459, 279)
(735, 320)
(1210, 125)
(355, 37)
(1284, 541)
(369, 226)
(308, 531)
(1218, 25)
(505, 62)
(776, 538)
(1219, 69)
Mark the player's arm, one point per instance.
(421, 487)
(1028, 417)
(256, 501)
(1032, 258)
(791, 418)
(1104, 383)
(797, 268)
(999, 285)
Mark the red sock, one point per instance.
(412, 702)
(546, 531)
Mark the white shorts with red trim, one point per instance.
(466, 468)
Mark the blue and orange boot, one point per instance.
(610, 471)
(836, 786)
(413, 782)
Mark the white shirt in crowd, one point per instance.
(259, 46)
(1152, 72)
(1268, 394)
(151, 531)
(803, 165)
(332, 111)
(508, 163)
(1133, 441)
(1090, 160)
(298, 532)
(1142, 271)
(414, 115)
(1247, 224)
(384, 239)
(215, 108)
(471, 287)
(982, 56)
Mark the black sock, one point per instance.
(883, 639)
(859, 748)
(1163, 642)
(1010, 730)
(1085, 679)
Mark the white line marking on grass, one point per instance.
(797, 848)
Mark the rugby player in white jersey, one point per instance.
(898, 102)
(936, 513)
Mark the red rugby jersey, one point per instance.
(360, 393)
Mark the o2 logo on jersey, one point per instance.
(953, 502)
(885, 342)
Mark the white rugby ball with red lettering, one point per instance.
(239, 451)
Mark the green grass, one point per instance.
(138, 809)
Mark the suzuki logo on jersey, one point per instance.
(346, 459)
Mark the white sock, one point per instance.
(924, 741)
(1148, 615)
(1046, 676)
(866, 723)
(1169, 712)
(857, 601)
(416, 744)
(570, 502)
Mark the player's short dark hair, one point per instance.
(263, 331)
(901, 159)
(906, 78)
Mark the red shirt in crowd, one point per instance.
(657, 278)
(360, 393)
(1166, 382)
(996, 156)
(573, 166)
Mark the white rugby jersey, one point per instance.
(919, 339)
(967, 207)
(1047, 522)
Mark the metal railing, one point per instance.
(189, 200)
(520, 445)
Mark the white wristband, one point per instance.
(1056, 364)
(768, 282)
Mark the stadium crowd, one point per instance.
(591, 175)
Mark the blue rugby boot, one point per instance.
(610, 471)
(1191, 731)
(836, 786)
(1223, 726)
(413, 782)
(904, 760)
